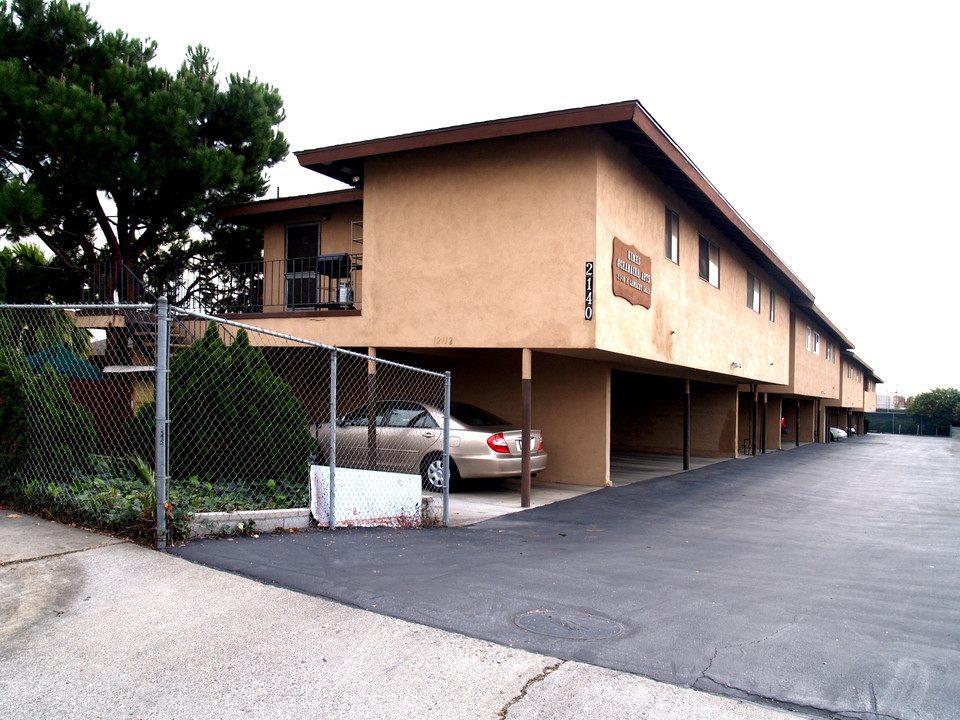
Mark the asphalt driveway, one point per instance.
(825, 579)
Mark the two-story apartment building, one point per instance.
(575, 261)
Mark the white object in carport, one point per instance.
(365, 498)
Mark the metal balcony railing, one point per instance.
(326, 282)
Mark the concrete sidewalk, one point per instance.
(93, 627)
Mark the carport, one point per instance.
(647, 416)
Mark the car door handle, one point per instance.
(430, 434)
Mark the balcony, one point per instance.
(326, 284)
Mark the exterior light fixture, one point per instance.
(735, 364)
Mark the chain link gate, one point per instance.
(202, 414)
(73, 444)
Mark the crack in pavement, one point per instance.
(698, 684)
(733, 690)
(21, 561)
(502, 712)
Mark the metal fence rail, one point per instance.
(179, 413)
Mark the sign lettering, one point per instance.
(632, 274)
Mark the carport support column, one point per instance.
(796, 432)
(526, 405)
(763, 426)
(686, 424)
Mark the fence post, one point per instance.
(162, 420)
(446, 448)
(333, 439)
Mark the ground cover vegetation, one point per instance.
(238, 441)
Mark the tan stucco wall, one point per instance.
(814, 375)
(690, 322)
(851, 387)
(484, 245)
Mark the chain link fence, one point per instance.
(152, 420)
(69, 446)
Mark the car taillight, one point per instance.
(498, 443)
(540, 446)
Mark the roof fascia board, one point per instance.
(651, 128)
(544, 122)
(261, 208)
(818, 314)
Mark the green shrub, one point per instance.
(45, 436)
(237, 432)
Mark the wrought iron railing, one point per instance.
(326, 282)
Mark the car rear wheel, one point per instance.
(431, 471)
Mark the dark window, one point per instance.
(753, 292)
(709, 262)
(671, 248)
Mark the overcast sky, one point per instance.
(832, 127)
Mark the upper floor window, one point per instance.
(753, 292)
(816, 343)
(829, 354)
(809, 335)
(773, 306)
(671, 245)
(709, 262)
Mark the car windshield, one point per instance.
(474, 416)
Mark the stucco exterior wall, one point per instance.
(690, 322)
(852, 387)
(814, 375)
(480, 245)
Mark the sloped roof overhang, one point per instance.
(255, 214)
(627, 122)
(818, 314)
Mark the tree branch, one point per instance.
(104, 222)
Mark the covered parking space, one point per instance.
(647, 415)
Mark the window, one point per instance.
(816, 343)
(671, 246)
(709, 262)
(773, 306)
(753, 292)
(829, 354)
(809, 332)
